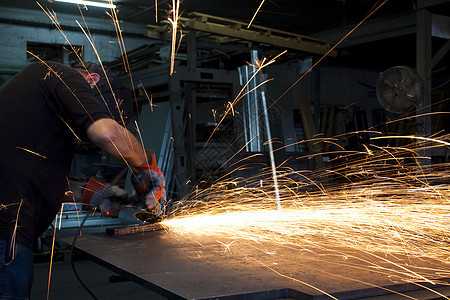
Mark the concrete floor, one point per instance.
(64, 285)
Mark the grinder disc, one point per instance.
(147, 217)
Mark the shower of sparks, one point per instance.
(380, 203)
(174, 21)
(259, 8)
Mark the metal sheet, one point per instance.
(177, 266)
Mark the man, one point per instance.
(44, 110)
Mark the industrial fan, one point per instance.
(399, 89)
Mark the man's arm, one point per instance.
(149, 183)
(110, 136)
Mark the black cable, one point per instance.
(72, 253)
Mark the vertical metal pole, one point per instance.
(65, 56)
(250, 106)
(191, 101)
(254, 120)
(243, 80)
(178, 129)
(165, 147)
(316, 95)
(423, 68)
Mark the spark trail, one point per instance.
(379, 212)
(254, 15)
(174, 22)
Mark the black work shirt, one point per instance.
(43, 112)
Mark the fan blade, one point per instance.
(399, 89)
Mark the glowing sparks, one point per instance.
(87, 33)
(378, 213)
(12, 247)
(328, 223)
(32, 152)
(259, 8)
(126, 63)
(51, 263)
(174, 21)
(214, 112)
(89, 38)
(149, 98)
(409, 137)
(71, 130)
(227, 246)
(62, 81)
(339, 223)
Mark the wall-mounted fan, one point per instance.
(399, 89)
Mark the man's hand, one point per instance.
(149, 186)
(108, 198)
(149, 183)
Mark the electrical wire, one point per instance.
(72, 252)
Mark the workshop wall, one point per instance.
(284, 76)
(344, 94)
(339, 86)
(14, 38)
(349, 86)
(19, 27)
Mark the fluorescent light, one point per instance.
(91, 3)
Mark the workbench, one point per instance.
(216, 267)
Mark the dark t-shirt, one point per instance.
(42, 114)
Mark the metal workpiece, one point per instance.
(216, 267)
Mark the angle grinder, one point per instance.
(110, 198)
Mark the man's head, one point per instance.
(109, 89)
(89, 71)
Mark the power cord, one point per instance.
(72, 253)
